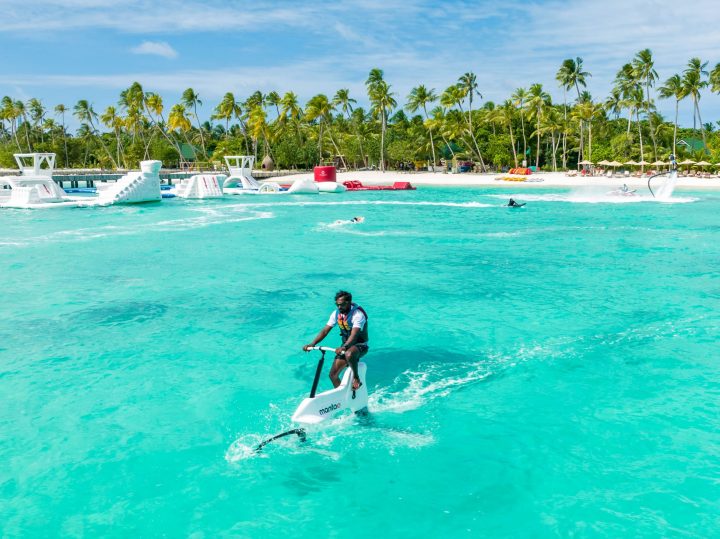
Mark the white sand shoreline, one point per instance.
(469, 179)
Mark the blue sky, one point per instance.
(64, 50)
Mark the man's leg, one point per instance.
(337, 367)
(352, 356)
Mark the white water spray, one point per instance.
(666, 189)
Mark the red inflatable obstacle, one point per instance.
(524, 171)
(355, 185)
(325, 174)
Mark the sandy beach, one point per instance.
(468, 179)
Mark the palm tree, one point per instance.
(506, 114)
(454, 96)
(178, 120)
(37, 113)
(576, 77)
(133, 102)
(538, 100)
(9, 113)
(587, 111)
(643, 67)
(693, 83)
(84, 112)
(320, 108)
(519, 99)
(154, 105)
(257, 127)
(418, 98)
(626, 85)
(468, 84)
(61, 110)
(614, 103)
(273, 100)
(343, 99)
(190, 100)
(566, 78)
(674, 87)
(226, 110)
(715, 79)
(21, 112)
(292, 113)
(383, 102)
(437, 123)
(115, 122)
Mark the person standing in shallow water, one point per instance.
(353, 322)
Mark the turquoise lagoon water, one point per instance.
(544, 372)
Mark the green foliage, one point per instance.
(142, 126)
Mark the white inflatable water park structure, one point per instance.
(198, 186)
(133, 187)
(241, 181)
(35, 187)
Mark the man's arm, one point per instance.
(318, 338)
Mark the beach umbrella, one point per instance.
(703, 163)
(604, 162)
(687, 162)
(659, 163)
(631, 162)
(586, 162)
(615, 164)
(643, 163)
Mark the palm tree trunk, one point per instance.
(564, 134)
(677, 106)
(27, 135)
(320, 136)
(332, 139)
(202, 138)
(67, 165)
(102, 143)
(647, 112)
(642, 153)
(630, 111)
(512, 142)
(537, 157)
(382, 142)
(702, 127)
(13, 129)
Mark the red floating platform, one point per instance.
(355, 185)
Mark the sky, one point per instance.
(61, 51)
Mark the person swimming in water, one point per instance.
(353, 221)
(514, 204)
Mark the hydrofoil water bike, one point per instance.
(321, 406)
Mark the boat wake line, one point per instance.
(411, 390)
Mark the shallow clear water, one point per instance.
(536, 372)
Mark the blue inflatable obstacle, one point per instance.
(80, 190)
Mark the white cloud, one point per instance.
(157, 48)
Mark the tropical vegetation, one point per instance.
(431, 127)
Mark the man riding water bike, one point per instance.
(352, 320)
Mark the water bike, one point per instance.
(321, 406)
(622, 192)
